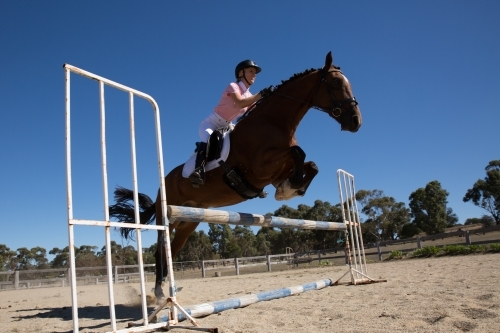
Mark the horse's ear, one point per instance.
(328, 61)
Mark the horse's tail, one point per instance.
(123, 209)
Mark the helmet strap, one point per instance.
(245, 77)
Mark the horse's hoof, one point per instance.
(160, 300)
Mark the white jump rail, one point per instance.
(106, 223)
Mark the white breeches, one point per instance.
(211, 123)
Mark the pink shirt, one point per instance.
(226, 108)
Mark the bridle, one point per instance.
(335, 109)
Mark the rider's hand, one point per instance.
(267, 91)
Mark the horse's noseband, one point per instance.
(335, 110)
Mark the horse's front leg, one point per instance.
(302, 175)
(310, 171)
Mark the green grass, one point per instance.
(495, 247)
(446, 250)
(425, 252)
(396, 255)
(325, 263)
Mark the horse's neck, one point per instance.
(287, 106)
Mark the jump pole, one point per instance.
(206, 309)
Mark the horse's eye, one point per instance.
(337, 82)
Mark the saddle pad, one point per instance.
(190, 163)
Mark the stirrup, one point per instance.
(197, 177)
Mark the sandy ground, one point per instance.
(447, 294)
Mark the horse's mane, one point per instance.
(301, 74)
(283, 82)
(298, 75)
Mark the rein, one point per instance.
(335, 110)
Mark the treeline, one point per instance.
(384, 219)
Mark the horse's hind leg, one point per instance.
(161, 266)
(182, 232)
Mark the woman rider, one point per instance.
(234, 101)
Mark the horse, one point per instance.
(263, 151)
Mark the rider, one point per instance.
(235, 100)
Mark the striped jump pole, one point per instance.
(206, 309)
(188, 214)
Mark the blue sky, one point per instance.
(424, 72)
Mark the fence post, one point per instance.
(419, 246)
(379, 251)
(16, 280)
(319, 256)
(203, 268)
(268, 258)
(237, 266)
(116, 274)
(467, 237)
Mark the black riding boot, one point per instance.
(198, 175)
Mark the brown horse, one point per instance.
(263, 149)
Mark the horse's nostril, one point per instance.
(355, 124)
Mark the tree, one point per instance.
(485, 193)
(221, 236)
(246, 241)
(428, 208)
(86, 256)
(386, 217)
(24, 258)
(198, 247)
(8, 259)
(39, 257)
(149, 255)
(266, 239)
(61, 257)
(324, 211)
(485, 220)
(451, 218)
(297, 239)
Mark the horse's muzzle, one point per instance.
(353, 126)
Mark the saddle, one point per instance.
(217, 153)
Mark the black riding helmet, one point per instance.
(245, 64)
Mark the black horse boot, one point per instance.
(198, 175)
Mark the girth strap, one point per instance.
(235, 180)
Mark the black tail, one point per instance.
(123, 210)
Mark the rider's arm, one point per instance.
(242, 102)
